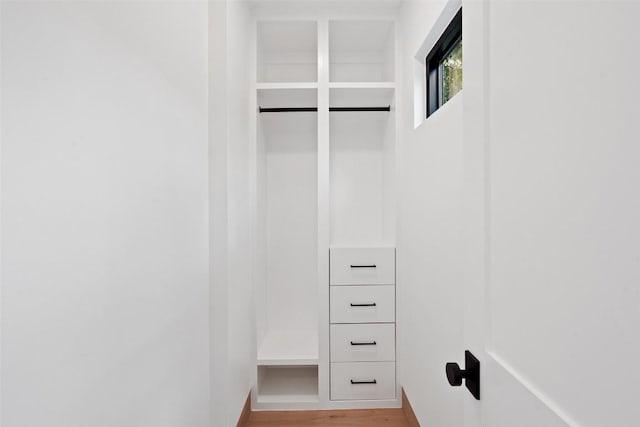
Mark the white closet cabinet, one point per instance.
(363, 350)
(324, 197)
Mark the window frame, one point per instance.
(451, 36)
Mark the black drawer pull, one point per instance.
(363, 266)
(364, 382)
(372, 304)
(363, 343)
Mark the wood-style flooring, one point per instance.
(348, 418)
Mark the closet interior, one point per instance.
(325, 136)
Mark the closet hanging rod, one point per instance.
(387, 108)
(287, 110)
(311, 109)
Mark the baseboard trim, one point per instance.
(246, 412)
(408, 411)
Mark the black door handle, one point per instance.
(471, 374)
(455, 374)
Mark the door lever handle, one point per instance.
(471, 374)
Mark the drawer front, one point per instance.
(363, 343)
(363, 304)
(363, 266)
(363, 381)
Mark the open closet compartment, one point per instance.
(361, 51)
(286, 248)
(287, 384)
(287, 51)
(362, 168)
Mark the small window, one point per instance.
(444, 66)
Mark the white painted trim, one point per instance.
(328, 405)
(1, 210)
(324, 211)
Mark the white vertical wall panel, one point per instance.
(104, 214)
(429, 249)
(241, 313)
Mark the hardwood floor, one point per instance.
(346, 418)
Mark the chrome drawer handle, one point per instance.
(364, 382)
(363, 343)
(363, 266)
(372, 304)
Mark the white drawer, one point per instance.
(363, 343)
(363, 381)
(363, 304)
(362, 266)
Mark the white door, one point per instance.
(552, 163)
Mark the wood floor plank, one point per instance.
(243, 421)
(342, 418)
(412, 420)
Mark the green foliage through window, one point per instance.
(451, 72)
(444, 66)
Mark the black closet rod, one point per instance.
(387, 108)
(287, 110)
(308, 109)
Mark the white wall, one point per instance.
(218, 215)
(429, 275)
(242, 340)
(104, 214)
(291, 220)
(232, 301)
(108, 180)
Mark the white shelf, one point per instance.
(287, 51)
(382, 244)
(284, 86)
(287, 384)
(354, 58)
(287, 348)
(362, 85)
